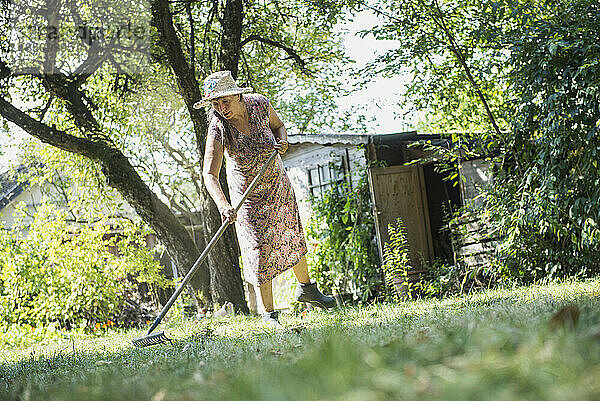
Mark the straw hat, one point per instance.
(219, 84)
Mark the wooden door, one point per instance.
(399, 191)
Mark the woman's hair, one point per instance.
(228, 137)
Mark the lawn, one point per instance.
(494, 345)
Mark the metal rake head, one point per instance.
(151, 339)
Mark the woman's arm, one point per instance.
(279, 131)
(213, 158)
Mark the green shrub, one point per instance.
(440, 279)
(544, 201)
(397, 262)
(64, 273)
(342, 254)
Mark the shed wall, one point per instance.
(300, 158)
(476, 176)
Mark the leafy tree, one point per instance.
(548, 201)
(87, 106)
(451, 52)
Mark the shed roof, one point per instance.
(358, 139)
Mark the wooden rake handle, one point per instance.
(211, 244)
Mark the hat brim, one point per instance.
(206, 101)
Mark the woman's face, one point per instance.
(228, 106)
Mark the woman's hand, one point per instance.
(281, 145)
(279, 131)
(228, 214)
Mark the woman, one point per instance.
(247, 129)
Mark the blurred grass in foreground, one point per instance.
(494, 345)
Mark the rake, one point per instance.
(159, 337)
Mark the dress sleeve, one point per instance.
(215, 129)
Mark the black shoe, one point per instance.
(311, 294)
(272, 319)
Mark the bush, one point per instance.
(63, 273)
(397, 262)
(342, 254)
(440, 279)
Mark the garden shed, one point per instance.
(416, 192)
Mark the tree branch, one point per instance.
(65, 88)
(44, 110)
(179, 157)
(207, 27)
(62, 192)
(461, 59)
(188, 9)
(93, 61)
(4, 70)
(186, 81)
(291, 52)
(51, 135)
(247, 68)
(454, 48)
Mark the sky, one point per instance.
(380, 95)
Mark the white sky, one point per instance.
(380, 95)
(8, 147)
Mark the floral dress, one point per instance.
(268, 224)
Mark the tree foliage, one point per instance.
(548, 203)
(64, 273)
(450, 52)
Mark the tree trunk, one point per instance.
(223, 261)
(231, 41)
(228, 60)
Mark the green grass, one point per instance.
(495, 345)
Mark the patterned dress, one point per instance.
(268, 224)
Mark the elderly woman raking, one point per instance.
(246, 129)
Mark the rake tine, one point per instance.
(151, 339)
